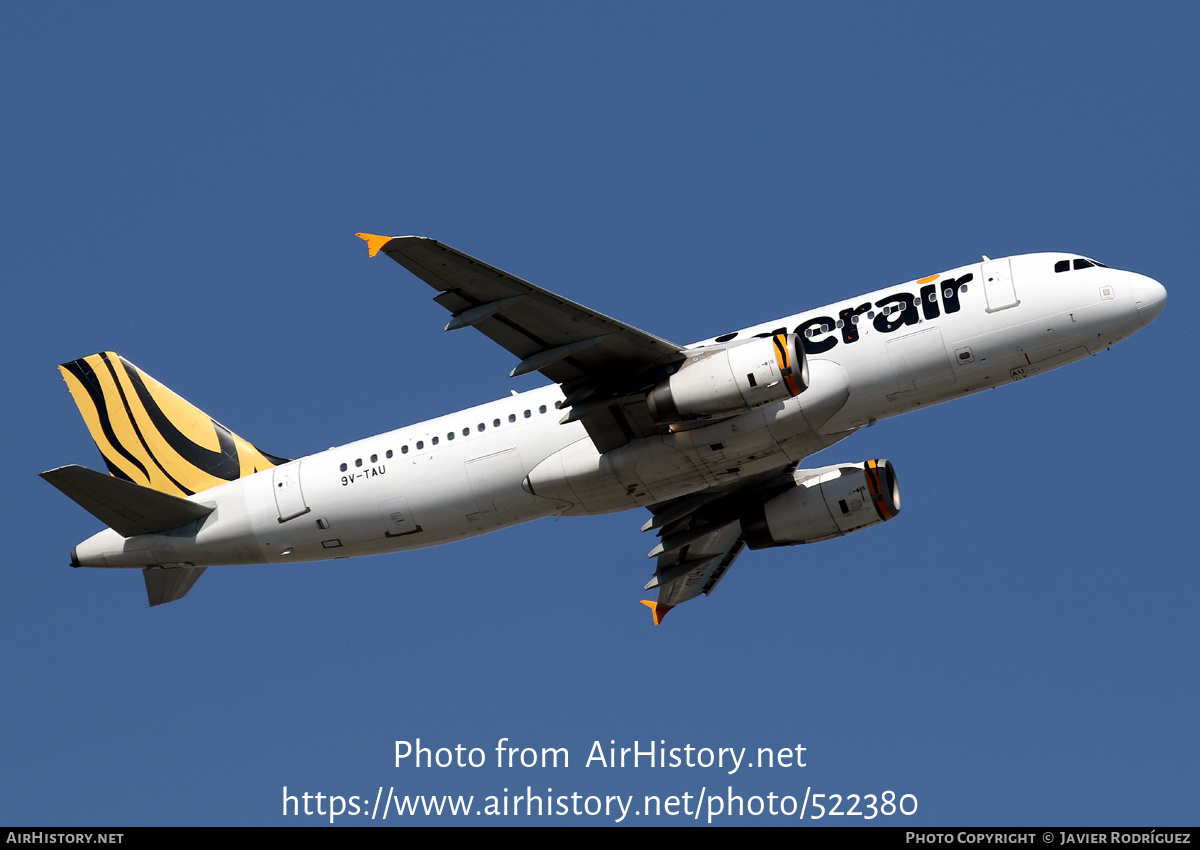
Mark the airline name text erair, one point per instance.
(890, 313)
(641, 754)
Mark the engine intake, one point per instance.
(824, 503)
(725, 381)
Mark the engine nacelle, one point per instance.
(725, 381)
(828, 502)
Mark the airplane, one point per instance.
(709, 437)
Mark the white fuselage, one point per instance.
(510, 461)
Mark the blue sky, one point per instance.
(182, 184)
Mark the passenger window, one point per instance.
(343, 467)
(479, 427)
(358, 461)
(450, 435)
(512, 417)
(404, 449)
(389, 453)
(495, 423)
(527, 414)
(542, 409)
(420, 444)
(466, 432)
(434, 441)
(374, 458)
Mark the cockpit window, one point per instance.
(1080, 263)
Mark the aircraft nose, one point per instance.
(1149, 296)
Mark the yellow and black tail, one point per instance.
(152, 437)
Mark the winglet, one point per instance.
(374, 243)
(658, 610)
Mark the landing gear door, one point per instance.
(289, 498)
(998, 285)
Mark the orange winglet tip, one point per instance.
(374, 242)
(659, 611)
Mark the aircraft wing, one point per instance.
(700, 536)
(604, 366)
(694, 568)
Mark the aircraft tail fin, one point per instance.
(128, 509)
(150, 436)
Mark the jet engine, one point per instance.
(829, 502)
(724, 381)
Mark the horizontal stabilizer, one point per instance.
(170, 583)
(126, 508)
